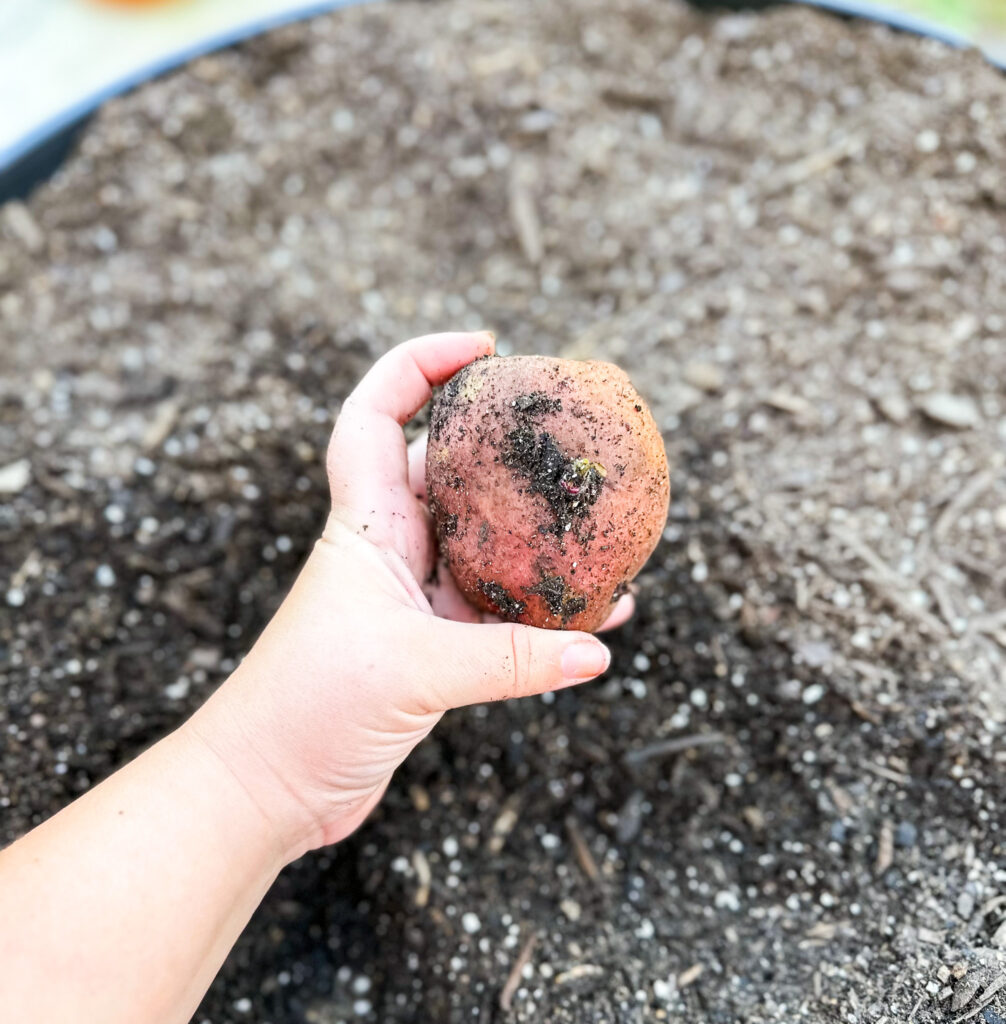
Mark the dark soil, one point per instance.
(785, 801)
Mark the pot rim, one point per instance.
(67, 120)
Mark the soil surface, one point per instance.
(785, 801)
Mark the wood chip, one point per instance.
(675, 745)
(582, 851)
(191, 610)
(162, 422)
(524, 214)
(784, 401)
(990, 624)
(578, 972)
(965, 990)
(516, 972)
(993, 904)
(425, 877)
(888, 584)
(887, 773)
(503, 825)
(690, 976)
(965, 498)
(814, 164)
(987, 997)
(419, 797)
(21, 223)
(843, 802)
(885, 848)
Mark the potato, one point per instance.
(548, 484)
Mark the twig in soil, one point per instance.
(989, 624)
(55, 484)
(524, 216)
(814, 164)
(871, 671)
(503, 826)
(916, 1008)
(966, 496)
(885, 847)
(988, 996)
(842, 801)
(578, 971)
(582, 851)
(180, 601)
(944, 601)
(887, 773)
(422, 868)
(161, 424)
(512, 982)
(822, 932)
(675, 745)
(972, 564)
(899, 600)
(690, 976)
(888, 584)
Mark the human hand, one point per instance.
(371, 647)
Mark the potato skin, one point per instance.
(548, 484)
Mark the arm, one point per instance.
(122, 907)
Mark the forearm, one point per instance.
(124, 905)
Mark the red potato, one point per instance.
(548, 484)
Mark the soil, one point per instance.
(784, 803)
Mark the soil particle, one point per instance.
(561, 599)
(535, 404)
(508, 606)
(447, 526)
(570, 485)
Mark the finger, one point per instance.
(488, 663)
(417, 466)
(367, 458)
(401, 382)
(624, 608)
(367, 454)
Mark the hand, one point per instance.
(366, 653)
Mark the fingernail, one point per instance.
(585, 659)
(491, 335)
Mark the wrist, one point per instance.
(224, 749)
(263, 735)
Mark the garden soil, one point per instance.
(785, 800)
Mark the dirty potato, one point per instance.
(548, 484)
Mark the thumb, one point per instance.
(479, 663)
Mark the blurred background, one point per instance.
(95, 48)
